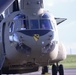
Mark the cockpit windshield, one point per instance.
(40, 24)
(34, 24)
(21, 22)
(45, 24)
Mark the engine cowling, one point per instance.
(61, 52)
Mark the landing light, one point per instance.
(42, 42)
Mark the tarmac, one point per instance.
(66, 72)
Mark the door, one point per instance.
(2, 47)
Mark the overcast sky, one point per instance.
(67, 30)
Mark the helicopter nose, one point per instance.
(37, 39)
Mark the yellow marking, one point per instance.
(36, 37)
(46, 74)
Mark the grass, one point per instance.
(70, 61)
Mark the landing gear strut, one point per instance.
(54, 69)
(44, 70)
(0, 72)
(57, 68)
(61, 70)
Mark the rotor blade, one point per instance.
(4, 4)
(60, 20)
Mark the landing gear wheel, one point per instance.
(54, 70)
(44, 70)
(61, 70)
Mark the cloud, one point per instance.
(48, 3)
(54, 2)
(71, 45)
(67, 1)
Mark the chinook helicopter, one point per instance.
(29, 39)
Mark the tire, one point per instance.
(44, 70)
(54, 70)
(61, 70)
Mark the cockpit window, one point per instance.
(21, 22)
(25, 24)
(45, 24)
(11, 27)
(34, 24)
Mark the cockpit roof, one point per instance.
(20, 16)
(45, 15)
